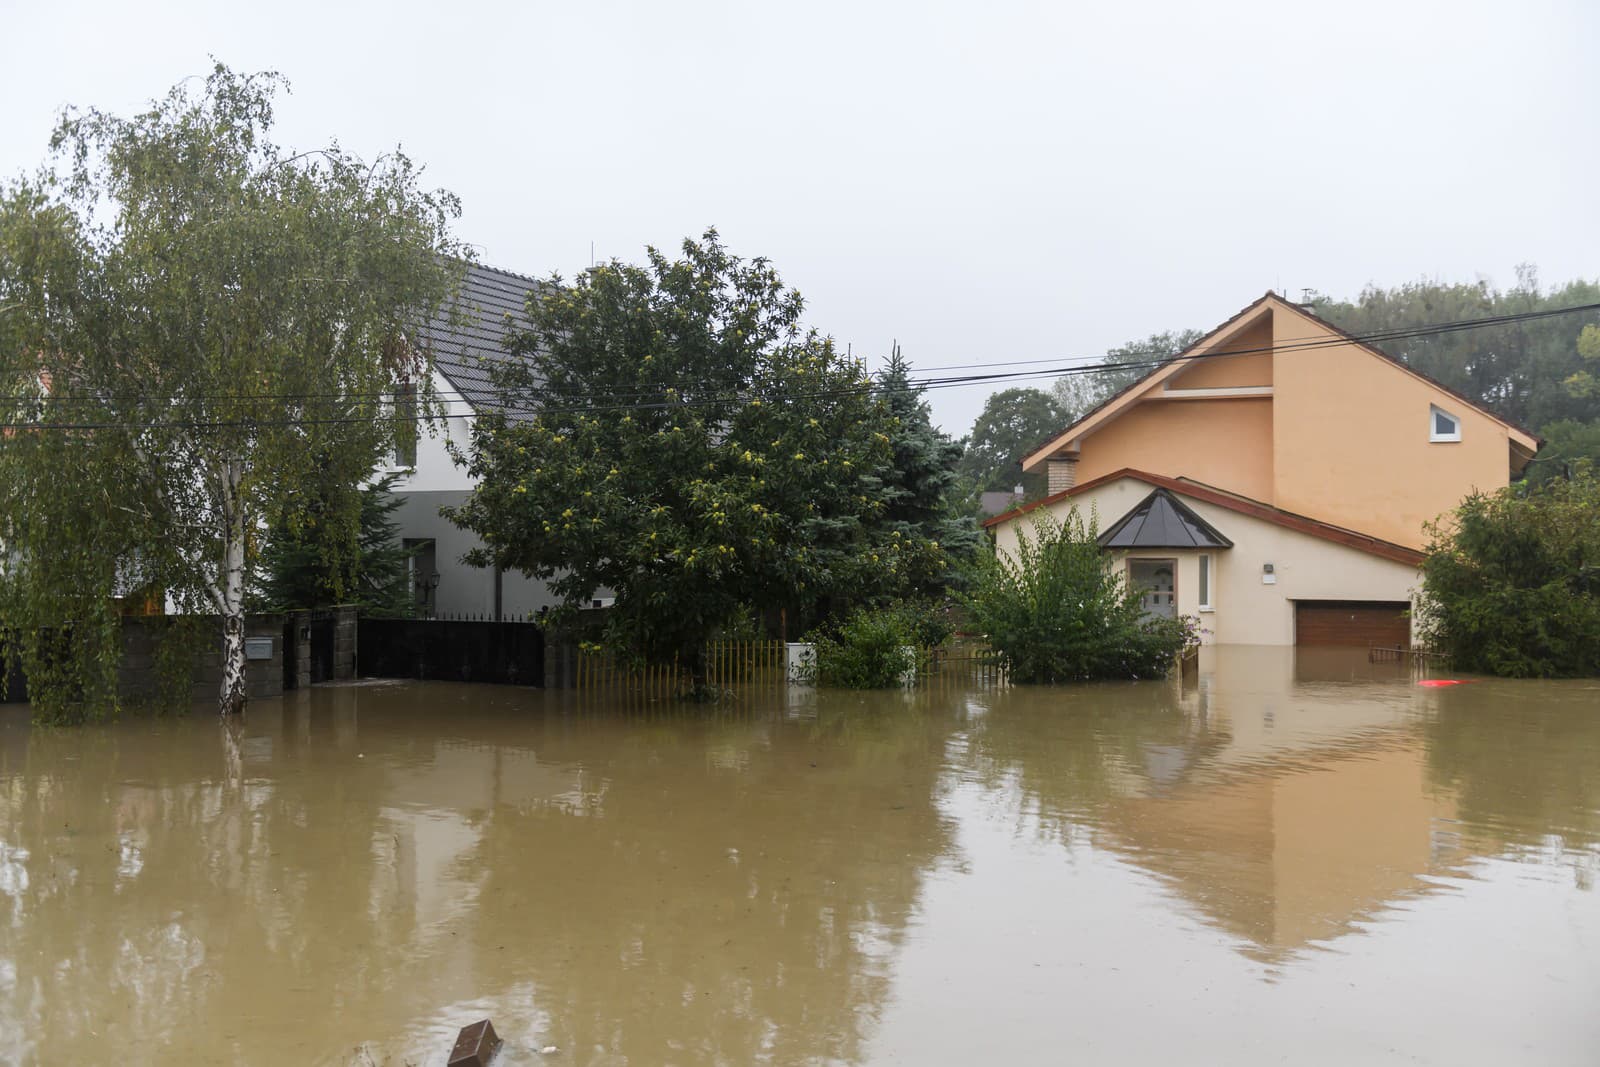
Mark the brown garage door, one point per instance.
(1365, 623)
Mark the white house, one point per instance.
(464, 354)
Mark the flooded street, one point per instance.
(1295, 860)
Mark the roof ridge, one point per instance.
(1243, 505)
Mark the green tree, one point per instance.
(1082, 391)
(309, 562)
(1511, 584)
(673, 434)
(195, 322)
(921, 486)
(1012, 423)
(1056, 610)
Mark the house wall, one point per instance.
(463, 589)
(1351, 440)
(435, 470)
(436, 481)
(1222, 442)
(1247, 611)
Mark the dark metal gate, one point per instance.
(505, 653)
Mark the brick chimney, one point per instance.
(1061, 474)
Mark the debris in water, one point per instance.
(1435, 683)
(474, 1045)
(550, 1050)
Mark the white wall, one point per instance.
(1247, 611)
(434, 470)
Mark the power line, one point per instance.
(634, 401)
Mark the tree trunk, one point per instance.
(231, 699)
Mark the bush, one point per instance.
(1056, 611)
(1511, 583)
(869, 650)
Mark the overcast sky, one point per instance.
(983, 181)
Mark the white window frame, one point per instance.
(1207, 582)
(1434, 411)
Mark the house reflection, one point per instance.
(1286, 797)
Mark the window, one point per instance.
(1205, 583)
(1443, 426)
(405, 413)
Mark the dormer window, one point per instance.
(1443, 426)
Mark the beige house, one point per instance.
(1275, 479)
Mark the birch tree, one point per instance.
(193, 321)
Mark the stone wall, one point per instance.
(137, 674)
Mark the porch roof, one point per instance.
(1161, 520)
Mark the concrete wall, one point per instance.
(1226, 443)
(1351, 439)
(1246, 610)
(465, 590)
(137, 676)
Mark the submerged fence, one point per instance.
(754, 664)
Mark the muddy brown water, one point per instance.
(1299, 859)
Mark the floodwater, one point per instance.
(1302, 860)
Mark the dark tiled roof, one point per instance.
(490, 304)
(1161, 520)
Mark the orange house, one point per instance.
(1275, 479)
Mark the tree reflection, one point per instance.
(365, 868)
(1523, 759)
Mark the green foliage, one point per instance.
(193, 322)
(871, 649)
(1080, 393)
(1013, 422)
(1057, 611)
(311, 561)
(741, 461)
(1512, 584)
(921, 485)
(1567, 442)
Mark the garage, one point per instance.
(1355, 623)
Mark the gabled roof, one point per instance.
(489, 305)
(1161, 520)
(1242, 505)
(1207, 348)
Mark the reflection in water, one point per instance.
(799, 877)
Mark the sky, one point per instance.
(984, 183)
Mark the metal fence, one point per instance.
(747, 664)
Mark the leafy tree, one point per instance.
(922, 482)
(1013, 422)
(1511, 585)
(1081, 392)
(1567, 442)
(310, 563)
(1057, 611)
(195, 321)
(674, 435)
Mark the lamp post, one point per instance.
(427, 588)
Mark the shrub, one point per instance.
(1511, 583)
(869, 650)
(1056, 610)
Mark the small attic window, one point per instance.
(1443, 426)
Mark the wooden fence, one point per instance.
(750, 664)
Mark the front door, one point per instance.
(1154, 578)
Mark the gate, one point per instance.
(503, 653)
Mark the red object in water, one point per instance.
(1434, 683)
